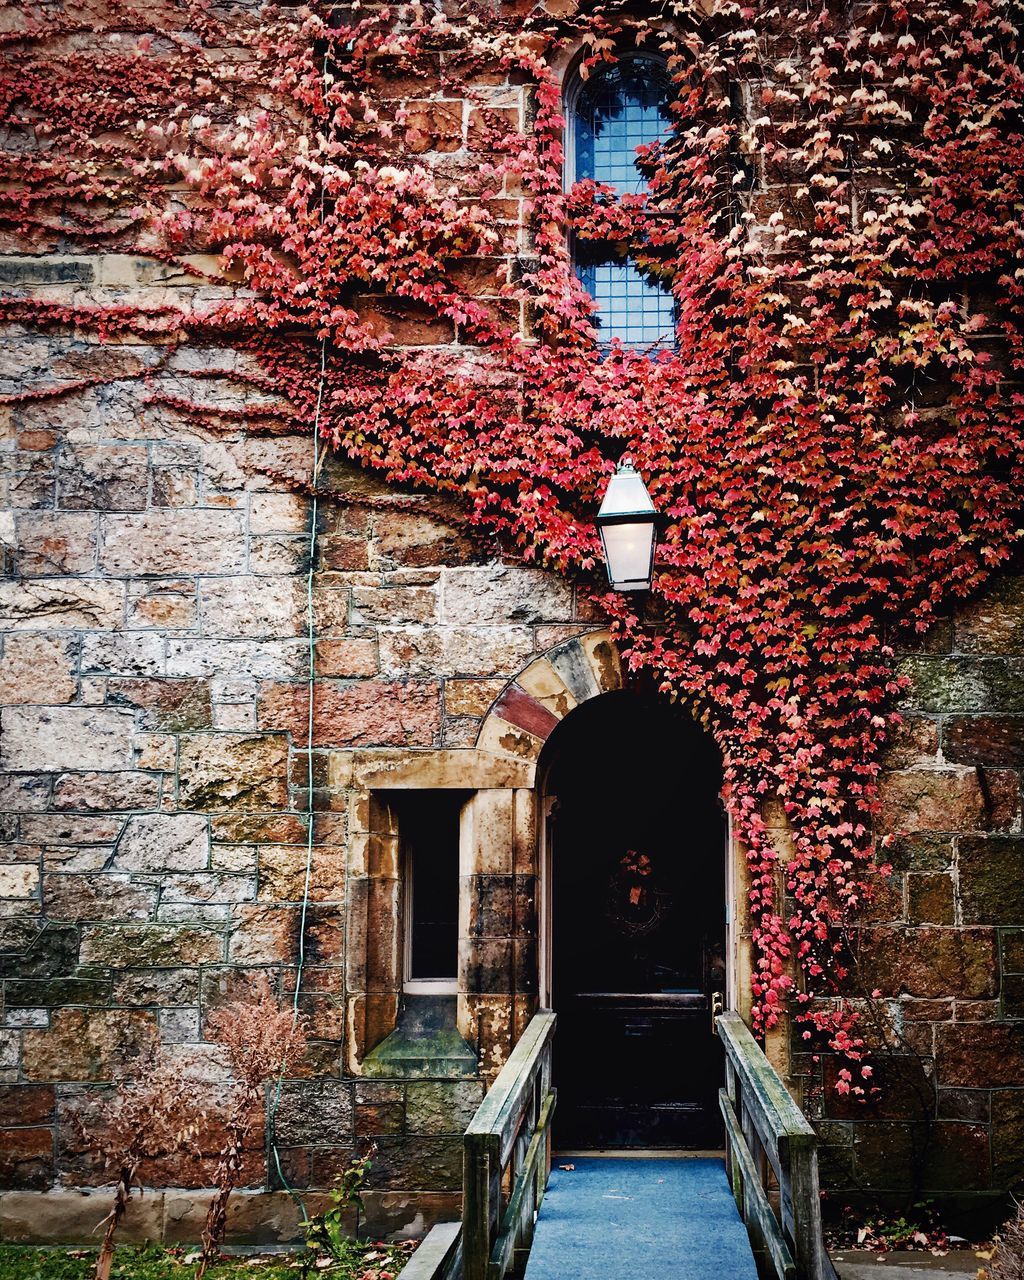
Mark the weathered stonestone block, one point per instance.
(150, 945)
(929, 962)
(175, 487)
(52, 738)
(131, 653)
(43, 993)
(1007, 1136)
(26, 1157)
(170, 706)
(980, 1055)
(26, 1104)
(991, 879)
(959, 685)
(500, 594)
(171, 605)
(23, 793)
(456, 651)
(163, 842)
(404, 538)
(38, 669)
(86, 1044)
(51, 542)
(933, 800)
(61, 828)
(433, 1163)
(984, 740)
(253, 659)
(346, 658)
(283, 873)
(370, 713)
(207, 887)
(913, 742)
(930, 899)
(228, 771)
(71, 1215)
(264, 934)
(236, 607)
(103, 477)
(920, 851)
(105, 896)
(156, 987)
(319, 1112)
(392, 605)
(106, 791)
(64, 604)
(164, 542)
(401, 323)
(19, 880)
(435, 125)
(995, 623)
(471, 697)
(441, 1106)
(278, 513)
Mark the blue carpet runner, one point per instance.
(639, 1219)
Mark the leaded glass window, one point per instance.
(616, 110)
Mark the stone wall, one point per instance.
(945, 951)
(154, 677)
(154, 781)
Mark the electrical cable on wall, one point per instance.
(311, 683)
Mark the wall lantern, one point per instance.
(626, 523)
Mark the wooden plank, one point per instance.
(755, 1202)
(787, 1139)
(765, 1091)
(765, 1102)
(501, 1112)
(436, 1256)
(513, 1226)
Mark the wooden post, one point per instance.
(481, 1190)
(808, 1247)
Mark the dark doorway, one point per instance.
(636, 837)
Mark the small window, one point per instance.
(428, 823)
(617, 109)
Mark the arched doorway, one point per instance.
(634, 842)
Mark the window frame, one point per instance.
(573, 86)
(439, 986)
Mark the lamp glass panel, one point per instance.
(628, 549)
(625, 495)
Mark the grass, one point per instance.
(362, 1262)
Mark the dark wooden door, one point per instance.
(637, 861)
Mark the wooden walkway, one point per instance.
(625, 1218)
(638, 1216)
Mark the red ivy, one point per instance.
(834, 442)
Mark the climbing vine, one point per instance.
(834, 442)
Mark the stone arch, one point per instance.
(523, 717)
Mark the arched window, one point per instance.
(617, 109)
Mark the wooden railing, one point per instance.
(506, 1155)
(507, 1148)
(439, 1257)
(772, 1161)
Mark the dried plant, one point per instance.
(153, 1114)
(263, 1042)
(1008, 1262)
